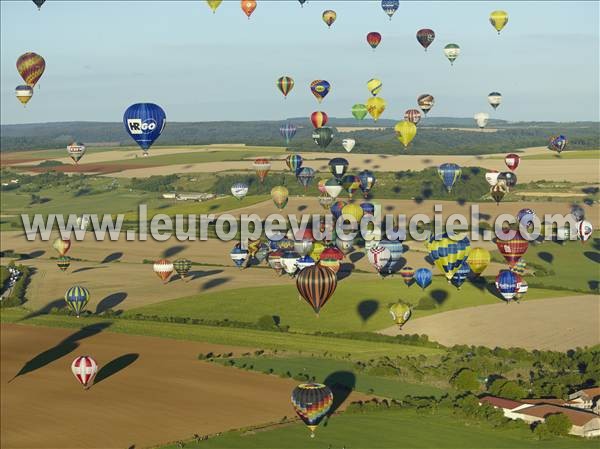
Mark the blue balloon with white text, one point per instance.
(144, 122)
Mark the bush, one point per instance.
(558, 424)
(507, 389)
(465, 380)
(426, 303)
(266, 322)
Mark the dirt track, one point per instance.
(154, 391)
(554, 324)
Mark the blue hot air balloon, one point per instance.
(368, 208)
(423, 277)
(144, 122)
(336, 209)
(287, 131)
(449, 173)
(396, 249)
(367, 181)
(390, 7)
(305, 176)
(508, 284)
(460, 276)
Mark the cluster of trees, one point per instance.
(19, 289)
(156, 183)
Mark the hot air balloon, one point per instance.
(512, 161)
(390, 7)
(481, 118)
(61, 245)
(405, 132)
(523, 288)
(323, 136)
(452, 51)
(408, 274)
(39, 3)
(261, 167)
(374, 85)
(373, 39)
(425, 37)
(354, 211)
(345, 246)
(449, 173)
(279, 195)
(367, 181)
(520, 267)
(319, 119)
(578, 212)
(24, 93)
(336, 209)
(76, 151)
(317, 250)
(248, 6)
(294, 162)
(498, 191)
(558, 143)
(413, 116)
(396, 250)
(31, 67)
(499, 19)
(63, 262)
(274, 261)
(239, 190)
(329, 17)
(400, 313)
(375, 107)
(423, 277)
(77, 298)
(359, 111)
(351, 184)
(320, 89)
(508, 284)
(144, 122)
(509, 178)
(460, 276)
(348, 144)
(182, 267)
(338, 167)
(289, 262)
(312, 402)
(448, 254)
(287, 131)
(512, 248)
(214, 4)
(584, 230)
(303, 246)
(238, 255)
(325, 201)
(316, 285)
(368, 208)
(163, 268)
(494, 99)
(333, 188)
(305, 176)
(425, 102)
(321, 186)
(302, 2)
(479, 259)
(84, 368)
(379, 257)
(285, 84)
(491, 176)
(305, 262)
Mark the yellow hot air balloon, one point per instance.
(353, 210)
(317, 249)
(24, 94)
(499, 19)
(400, 313)
(479, 259)
(375, 107)
(280, 194)
(214, 4)
(405, 132)
(374, 85)
(329, 17)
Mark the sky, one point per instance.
(103, 56)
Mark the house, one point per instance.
(584, 423)
(587, 399)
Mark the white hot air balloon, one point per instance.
(333, 188)
(492, 177)
(379, 257)
(481, 118)
(495, 98)
(239, 190)
(348, 144)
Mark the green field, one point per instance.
(321, 368)
(579, 154)
(249, 338)
(391, 429)
(357, 305)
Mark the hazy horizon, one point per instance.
(103, 56)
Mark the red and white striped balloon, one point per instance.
(163, 269)
(379, 257)
(84, 368)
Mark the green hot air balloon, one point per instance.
(323, 136)
(182, 267)
(77, 298)
(359, 111)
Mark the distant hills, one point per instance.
(433, 136)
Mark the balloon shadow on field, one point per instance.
(367, 308)
(593, 256)
(200, 274)
(173, 250)
(32, 255)
(81, 270)
(61, 349)
(439, 296)
(341, 384)
(110, 301)
(114, 366)
(546, 257)
(479, 282)
(356, 256)
(594, 285)
(491, 287)
(215, 283)
(56, 304)
(112, 257)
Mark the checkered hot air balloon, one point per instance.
(182, 267)
(312, 402)
(163, 268)
(512, 248)
(316, 285)
(84, 368)
(77, 298)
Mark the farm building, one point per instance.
(588, 399)
(584, 423)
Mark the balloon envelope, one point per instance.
(320, 89)
(312, 402)
(452, 51)
(375, 107)
(316, 285)
(499, 19)
(373, 39)
(84, 368)
(405, 132)
(144, 122)
(425, 37)
(31, 67)
(425, 102)
(319, 119)
(359, 111)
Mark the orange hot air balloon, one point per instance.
(248, 6)
(319, 119)
(31, 67)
